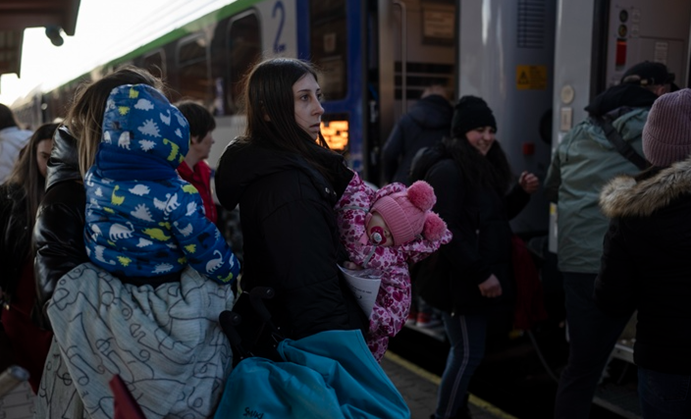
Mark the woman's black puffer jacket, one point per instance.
(290, 236)
(59, 229)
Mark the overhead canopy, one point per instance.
(17, 15)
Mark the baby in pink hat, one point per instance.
(388, 230)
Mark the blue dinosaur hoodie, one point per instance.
(142, 219)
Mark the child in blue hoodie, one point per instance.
(144, 223)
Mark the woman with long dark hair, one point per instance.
(470, 278)
(162, 338)
(287, 181)
(20, 196)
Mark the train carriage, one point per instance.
(375, 58)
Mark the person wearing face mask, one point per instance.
(20, 196)
(286, 182)
(470, 279)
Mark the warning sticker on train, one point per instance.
(531, 77)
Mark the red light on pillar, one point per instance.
(528, 148)
(620, 56)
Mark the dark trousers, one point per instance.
(592, 335)
(467, 334)
(664, 396)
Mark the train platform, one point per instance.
(419, 389)
(417, 386)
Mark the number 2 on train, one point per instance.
(278, 7)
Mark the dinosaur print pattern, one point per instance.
(142, 219)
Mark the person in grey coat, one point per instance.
(582, 164)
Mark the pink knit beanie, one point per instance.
(408, 214)
(667, 132)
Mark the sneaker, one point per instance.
(427, 320)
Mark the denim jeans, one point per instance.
(467, 338)
(592, 335)
(664, 396)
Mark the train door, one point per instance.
(505, 56)
(331, 35)
(597, 40)
(414, 45)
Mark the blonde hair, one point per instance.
(85, 117)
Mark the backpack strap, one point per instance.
(618, 142)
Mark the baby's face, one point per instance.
(378, 232)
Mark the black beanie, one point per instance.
(469, 113)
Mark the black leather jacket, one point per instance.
(59, 229)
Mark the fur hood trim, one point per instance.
(624, 197)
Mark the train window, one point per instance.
(156, 64)
(193, 69)
(244, 46)
(329, 45)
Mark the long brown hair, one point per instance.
(28, 182)
(85, 117)
(270, 108)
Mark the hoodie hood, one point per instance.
(144, 136)
(432, 112)
(64, 162)
(625, 197)
(629, 95)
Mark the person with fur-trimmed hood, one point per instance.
(143, 222)
(387, 230)
(583, 162)
(646, 264)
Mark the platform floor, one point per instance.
(18, 403)
(419, 389)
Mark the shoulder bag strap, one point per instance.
(622, 146)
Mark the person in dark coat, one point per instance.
(470, 277)
(19, 199)
(83, 315)
(583, 162)
(645, 261)
(427, 122)
(58, 235)
(286, 185)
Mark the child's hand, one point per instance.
(351, 265)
